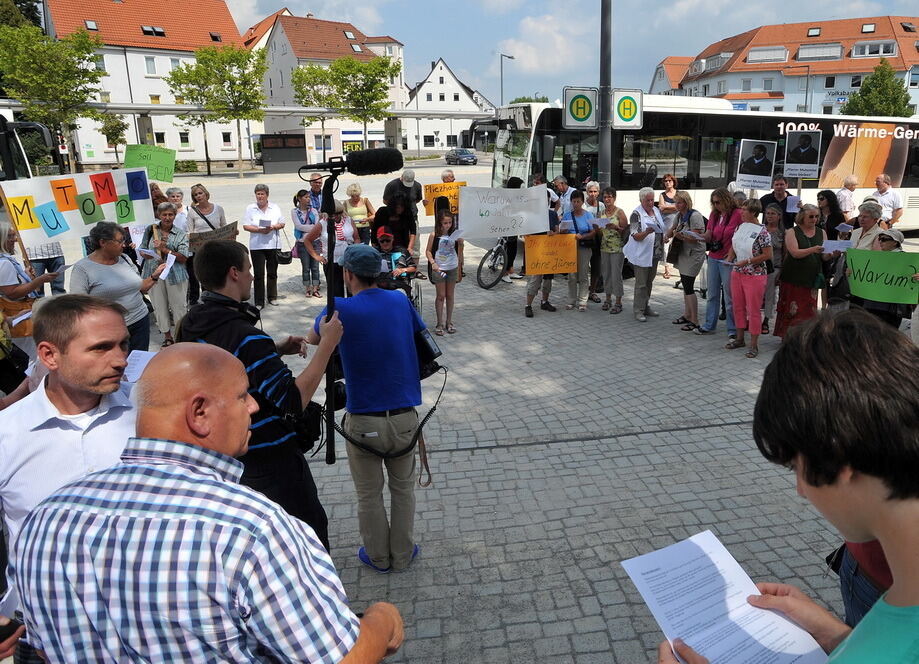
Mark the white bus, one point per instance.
(698, 140)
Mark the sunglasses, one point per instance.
(385, 239)
(884, 238)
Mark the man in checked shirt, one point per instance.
(165, 557)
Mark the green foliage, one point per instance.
(31, 10)
(313, 87)
(36, 151)
(362, 88)
(186, 166)
(527, 100)
(881, 94)
(54, 79)
(10, 14)
(114, 128)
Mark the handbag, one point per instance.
(284, 257)
(13, 308)
(676, 247)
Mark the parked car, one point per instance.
(461, 156)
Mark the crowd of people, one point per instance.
(187, 496)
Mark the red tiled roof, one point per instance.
(752, 95)
(385, 39)
(257, 31)
(675, 68)
(315, 39)
(120, 23)
(792, 36)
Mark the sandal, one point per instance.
(582, 308)
(689, 327)
(682, 320)
(606, 306)
(616, 309)
(451, 329)
(733, 344)
(753, 352)
(167, 343)
(569, 307)
(593, 297)
(439, 330)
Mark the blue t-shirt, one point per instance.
(887, 634)
(377, 349)
(582, 224)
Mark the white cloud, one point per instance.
(500, 6)
(546, 41)
(246, 13)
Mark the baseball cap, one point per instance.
(408, 177)
(384, 231)
(893, 234)
(363, 260)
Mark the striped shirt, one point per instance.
(166, 558)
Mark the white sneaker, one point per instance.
(506, 279)
(516, 275)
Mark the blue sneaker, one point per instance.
(364, 558)
(415, 552)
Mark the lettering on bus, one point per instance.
(852, 130)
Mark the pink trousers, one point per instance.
(747, 292)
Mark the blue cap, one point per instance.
(363, 260)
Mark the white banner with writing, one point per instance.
(488, 212)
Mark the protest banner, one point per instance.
(228, 232)
(551, 254)
(448, 189)
(498, 212)
(159, 162)
(802, 154)
(64, 207)
(755, 164)
(883, 276)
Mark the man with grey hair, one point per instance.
(845, 196)
(644, 250)
(264, 221)
(889, 199)
(77, 420)
(447, 175)
(564, 194)
(408, 187)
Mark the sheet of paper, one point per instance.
(137, 362)
(146, 253)
(697, 592)
(791, 204)
(264, 223)
(565, 226)
(26, 315)
(694, 235)
(845, 228)
(170, 261)
(829, 246)
(456, 235)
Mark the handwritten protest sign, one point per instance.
(551, 254)
(64, 207)
(159, 162)
(228, 232)
(448, 189)
(497, 212)
(883, 276)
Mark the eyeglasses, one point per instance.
(385, 239)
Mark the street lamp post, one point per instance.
(509, 57)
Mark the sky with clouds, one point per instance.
(555, 44)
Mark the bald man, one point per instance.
(176, 560)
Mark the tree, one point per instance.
(313, 88)
(31, 10)
(191, 83)
(525, 100)
(881, 94)
(54, 79)
(362, 88)
(114, 128)
(230, 80)
(10, 14)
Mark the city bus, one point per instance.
(698, 140)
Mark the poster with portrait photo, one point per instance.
(802, 154)
(754, 168)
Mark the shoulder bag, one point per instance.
(285, 257)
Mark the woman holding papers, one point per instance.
(751, 247)
(164, 244)
(802, 271)
(644, 251)
(106, 273)
(722, 222)
(688, 229)
(579, 222)
(773, 217)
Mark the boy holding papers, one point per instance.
(848, 425)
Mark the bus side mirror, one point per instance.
(546, 149)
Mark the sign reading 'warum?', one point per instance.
(883, 276)
(488, 212)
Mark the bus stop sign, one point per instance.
(581, 110)
(627, 109)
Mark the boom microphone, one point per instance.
(361, 162)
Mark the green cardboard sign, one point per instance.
(89, 208)
(124, 209)
(883, 276)
(159, 162)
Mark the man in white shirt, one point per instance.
(564, 194)
(846, 198)
(264, 220)
(76, 421)
(889, 199)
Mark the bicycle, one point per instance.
(493, 265)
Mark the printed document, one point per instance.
(829, 246)
(698, 592)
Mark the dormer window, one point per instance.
(908, 27)
(91, 25)
(158, 32)
(867, 27)
(356, 48)
(874, 49)
(349, 34)
(215, 37)
(153, 31)
(813, 32)
(147, 30)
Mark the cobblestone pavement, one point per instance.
(564, 444)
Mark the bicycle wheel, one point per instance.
(417, 295)
(492, 267)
